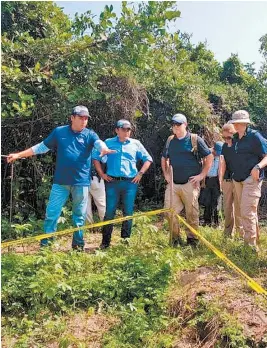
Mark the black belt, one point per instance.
(228, 180)
(120, 178)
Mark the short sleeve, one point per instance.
(94, 138)
(261, 145)
(51, 140)
(164, 152)
(202, 147)
(142, 153)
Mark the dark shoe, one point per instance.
(78, 248)
(177, 241)
(103, 246)
(192, 242)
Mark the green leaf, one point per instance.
(172, 14)
(16, 106)
(37, 67)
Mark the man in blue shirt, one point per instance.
(74, 145)
(249, 160)
(121, 177)
(187, 174)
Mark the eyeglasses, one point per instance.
(176, 124)
(227, 138)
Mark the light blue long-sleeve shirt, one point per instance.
(123, 162)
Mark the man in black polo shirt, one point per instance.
(249, 160)
(187, 174)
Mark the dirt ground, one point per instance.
(219, 287)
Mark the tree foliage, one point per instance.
(130, 66)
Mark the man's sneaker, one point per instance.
(78, 248)
(125, 241)
(192, 242)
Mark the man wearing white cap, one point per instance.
(249, 160)
(73, 145)
(184, 151)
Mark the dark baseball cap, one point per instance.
(80, 110)
(123, 124)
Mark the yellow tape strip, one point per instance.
(252, 283)
(70, 230)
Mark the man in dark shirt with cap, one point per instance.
(249, 160)
(73, 145)
(187, 174)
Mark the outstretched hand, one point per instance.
(12, 157)
(106, 152)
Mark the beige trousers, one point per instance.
(248, 194)
(184, 196)
(231, 219)
(97, 192)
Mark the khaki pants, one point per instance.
(184, 196)
(248, 194)
(231, 218)
(97, 192)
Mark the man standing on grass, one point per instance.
(231, 219)
(121, 177)
(184, 151)
(250, 158)
(74, 145)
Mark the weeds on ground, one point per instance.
(130, 282)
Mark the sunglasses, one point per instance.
(227, 138)
(126, 129)
(176, 124)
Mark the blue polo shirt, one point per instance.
(182, 158)
(228, 152)
(249, 151)
(74, 149)
(122, 163)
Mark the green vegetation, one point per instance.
(41, 292)
(130, 67)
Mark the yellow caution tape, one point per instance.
(252, 283)
(74, 229)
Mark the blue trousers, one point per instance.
(116, 190)
(57, 199)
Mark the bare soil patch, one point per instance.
(216, 287)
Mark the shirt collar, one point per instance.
(74, 132)
(247, 131)
(187, 134)
(125, 142)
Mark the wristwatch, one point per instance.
(257, 167)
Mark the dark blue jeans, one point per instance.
(115, 190)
